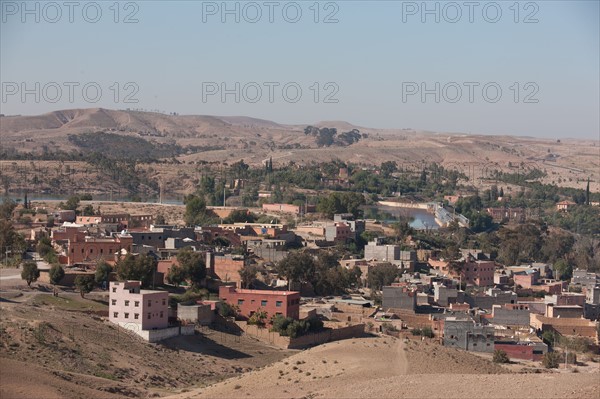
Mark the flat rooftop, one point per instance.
(265, 292)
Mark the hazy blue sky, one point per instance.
(376, 59)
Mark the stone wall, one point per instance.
(305, 341)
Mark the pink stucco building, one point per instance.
(130, 306)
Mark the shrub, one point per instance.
(226, 310)
(280, 324)
(416, 331)
(500, 356)
(551, 360)
(427, 332)
(258, 318)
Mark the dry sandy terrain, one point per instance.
(58, 347)
(388, 368)
(567, 162)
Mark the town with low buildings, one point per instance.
(253, 276)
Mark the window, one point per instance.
(278, 304)
(240, 302)
(91, 250)
(164, 302)
(126, 303)
(136, 303)
(161, 315)
(114, 290)
(116, 314)
(149, 316)
(136, 316)
(113, 301)
(263, 303)
(149, 302)
(126, 315)
(101, 250)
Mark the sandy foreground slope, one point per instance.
(389, 368)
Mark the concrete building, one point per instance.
(225, 267)
(565, 326)
(443, 295)
(399, 298)
(93, 249)
(499, 215)
(511, 315)
(493, 296)
(524, 350)
(526, 278)
(376, 250)
(285, 303)
(592, 295)
(203, 314)
(338, 232)
(479, 272)
(357, 226)
(565, 311)
(288, 208)
(468, 335)
(584, 277)
(131, 306)
(564, 206)
(471, 271)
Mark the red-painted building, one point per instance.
(92, 249)
(285, 303)
(479, 273)
(521, 350)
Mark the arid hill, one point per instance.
(386, 367)
(61, 348)
(228, 139)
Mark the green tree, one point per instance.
(557, 246)
(279, 323)
(176, 275)
(72, 203)
(44, 246)
(193, 265)
(388, 167)
(240, 216)
(88, 210)
(248, 275)
(195, 210)
(160, 219)
(563, 269)
(258, 318)
(56, 273)
(140, 267)
(382, 275)
(30, 272)
(12, 244)
(227, 310)
(103, 271)
(6, 208)
(549, 338)
(85, 284)
(500, 356)
(297, 266)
